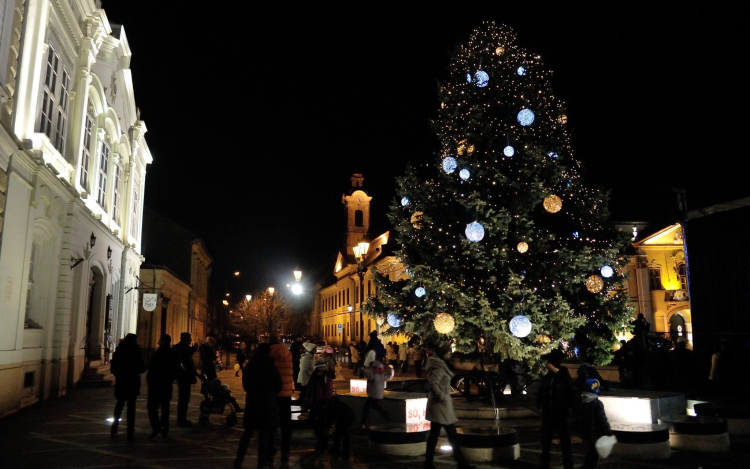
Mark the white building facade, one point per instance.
(72, 170)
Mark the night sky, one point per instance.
(257, 116)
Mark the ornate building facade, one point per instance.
(73, 164)
(336, 314)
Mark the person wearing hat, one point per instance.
(440, 405)
(162, 371)
(330, 362)
(592, 421)
(318, 400)
(306, 363)
(282, 358)
(555, 397)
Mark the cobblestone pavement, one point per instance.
(73, 432)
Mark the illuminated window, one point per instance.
(62, 113)
(682, 274)
(48, 99)
(654, 276)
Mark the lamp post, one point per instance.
(297, 290)
(360, 251)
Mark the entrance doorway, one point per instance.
(95, 316)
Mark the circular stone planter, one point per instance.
(641, 441)
(489, 444)
(737, 415)
(400, 439)
(702, 434)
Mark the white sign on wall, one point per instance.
(357, 385)
(340, 327)
(149, 301)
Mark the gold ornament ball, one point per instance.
(416, 220)
(522, 247)
(500, 50)
(442, 105)
(552, 204)
(594, 284)
(444, 323)
(563, 119)
(470, 149)
(461, 147)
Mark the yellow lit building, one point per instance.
(336, 313)
(657, 282)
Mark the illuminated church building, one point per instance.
(339, 301)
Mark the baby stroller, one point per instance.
(217, 398)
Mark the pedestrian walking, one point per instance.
(282, 359)
(354, 354)
(376, 375)
(187, 376)
(330, 362)
(162, 371)
(297, 348)
(319, 399)
(440, 405)
(127, 366)
(592, 421)
(262, 383)
(240, 360)
(305, 369)
(555, 398)
(403, 358)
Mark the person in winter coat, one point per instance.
(305, 369)
(354, 351)
(127, 365)
(240, 359)
(555, 398)
(297, 348)
(186, 377)
(282, 358)
(418, 358)
(318, 400)
(592, 421)
(330, 362)
(390, 354)
(376, 375)
(440, 405)
(403, 358)
(208, 360)
(262, 383)
(162, 371)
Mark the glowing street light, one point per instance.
(297, 289)
(248, 298)
(271, 290)
(225, 302)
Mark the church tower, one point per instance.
(357, 212)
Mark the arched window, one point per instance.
(101, 192)
(359, 218)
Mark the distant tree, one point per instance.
(259, 316)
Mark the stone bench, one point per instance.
(703, 434)
(643, 441)
(490, 443)
(737, 415)
(399, 439)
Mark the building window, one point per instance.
(116, 196)
(48, 100)
(86, 151)
(654, 276)
(136, 206)
(682, 274)
(101, 192)
(62, 112)
(28, 379)
(28, 322)
(359, 218)
(347, 297)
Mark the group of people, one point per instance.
(396, 355)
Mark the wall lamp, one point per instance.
(87, 251)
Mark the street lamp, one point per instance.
(271, 290)
(248, 298)
(360, 251)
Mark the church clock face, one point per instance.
(359, 199)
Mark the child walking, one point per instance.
(592, 421)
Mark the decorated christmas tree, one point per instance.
(505, 246)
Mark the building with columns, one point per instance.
(339, 302)
(72, 169)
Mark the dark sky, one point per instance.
(257, 116)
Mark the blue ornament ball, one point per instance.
(576, 235)
(520, 326)
(481, 79)
(468, 78)
(420, 292)
(449, 164)
(474, 232)
(553, 155)
(509, 151)
(607, 271)
(405, 201)
(393, 321)
(526, 117)
(521, 71)
(464, 174)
